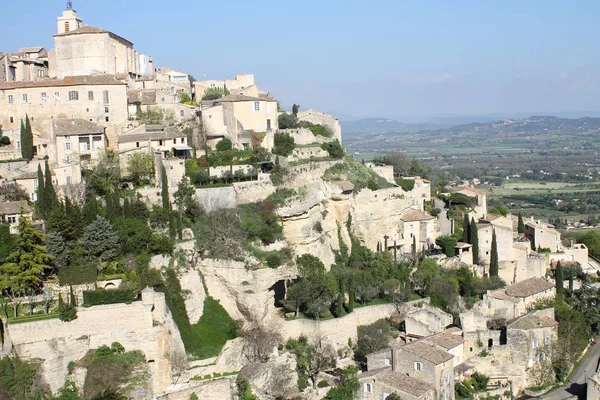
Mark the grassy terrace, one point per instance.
(31, 318)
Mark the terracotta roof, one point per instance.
(470, 189)
(490, 217)
(532, 321)
(232, 98)
(401, 382)
(427, 351)
(14, 207)
(151, 132)
(88, 29)
(446, 340)
(528, 287)
(416, 215)
(67, 127)
(546, 227)
(563, 263)
(31, 49)
(500, 294)
(67, 81)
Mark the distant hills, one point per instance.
(367, 126)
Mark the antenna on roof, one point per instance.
(69, 5)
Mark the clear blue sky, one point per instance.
(360, 58)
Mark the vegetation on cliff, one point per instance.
(354, 171)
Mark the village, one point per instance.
(255, 214)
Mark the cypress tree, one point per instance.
(90, 208)
(126, 208)
(559, 278)
(414, 246)
(51, 198)
(164, 192)
(40, 204)
(466, 229)
(521, 225)
(494, 255)
(172, 226)
(474, 240)
(26, 140)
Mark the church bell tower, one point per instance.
(69, 21)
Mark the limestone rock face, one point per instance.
(194, 294)
(231, 357)
(277, 377)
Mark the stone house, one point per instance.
(464, 252)
(62, 177)
(422, 362)
(480, 209)
(422, 319)
(504, 238)
(77, 140)
(318, 117)
(543, 235)
(241, 81)
(529, 334)
(11, 213)
(418, 228)
(28, 64)
(421, 190)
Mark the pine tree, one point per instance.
(25, 268)
(40, 205)
(494, 255)
(26, 140)
(466, 229)
(51, 198)
(521, 225)
(559, 279)
(99, 240)
(474, 240)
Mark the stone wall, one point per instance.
(144, 325)
(212, 199)
(220, 389)
(253, 191)
(303, 136)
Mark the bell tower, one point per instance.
(69, 21)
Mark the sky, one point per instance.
(395, 59)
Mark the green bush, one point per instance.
(323, 384)
(103, 351)
(66, 312)
(77, 275)
(287, 121)
(284, 144)
(334, 149)
(260, 221)
(320, 130)
(224, 145)
(406, 184)
(273, 260)
(354, 171)
(5, 141)
(113, 296)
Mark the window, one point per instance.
(68, 159)
(11, 219)
(535, 344)
(172, 89)
(386, 362)
(182, 140)
(418, 366)
(40, 73)
(368, 388)
(73, 95)
(181, 113)
(10, 99)
(11, 119)
(137, 144)
(162, 99)
(106, 119)
(67, 27)
(35, 183)
(541, 357)
(24, 97)
(90, 95)
(160, 142)
(56, 96)
(44, 96)
(256, 106)
(546, 340)
(68, 178)
(68, 146)
(105, 96)
(33, 196)
(106, 110)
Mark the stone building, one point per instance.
(480, 209)
(421, 364)
(81, 50)
(318, 117)
(418, 228)
(28, 64)
(77, 140)
(241, 81)
(543, 236)
(11, 213)
(504, 237)
(421, 190)
(530, 334)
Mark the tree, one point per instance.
(474, 240)
(41, 207)
(50, 193)
(179, 363)
(424, 276)
(224, 144)
(287, 121)
(259, 341)
(348, 385)
(140, 167)
(185, 200)
(466, 237)
(164, 188)
(334, 149)
(447, 243)
(25, 268)
(372, 338)
(295, 109)
(12, 192)
(559, 280)
(56, 247)
(284, 144)
(26, 139)
(521, 224)
(494, 255)
(99, 240)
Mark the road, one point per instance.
(577, 384)
(443, 221)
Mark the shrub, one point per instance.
(273, 260)
(287, 121)
(99, 297)
(323, 384)
(103, 351)
(66, 312)
(117, 348)
(77, 275)
(284, 144)
(224, 145)
(334, 149)
(320, 130)
(5, 141)
(406, 184)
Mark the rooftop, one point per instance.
(415, 215)
(463, 245)
(446, 340)
(14, 207)
(532, 321)
(407, 384)
(233, 98)
(88, 29)
(470, 189)
(67, 81)
(528, 287)
(427, 351)
(68, 127)
(151, 132)
(36, 49)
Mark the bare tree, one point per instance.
(179, 364)
(259, 341)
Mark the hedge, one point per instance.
(77, 275)
(112, 296)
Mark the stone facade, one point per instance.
(543, 235)
(318, 117)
